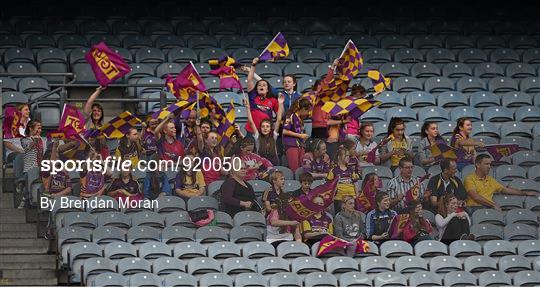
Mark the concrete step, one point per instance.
(8, 227)
(23, 250)
(29, 273)
(29, 282)
(11, 213)
(24, 262)
(24, 243)
(17, 234)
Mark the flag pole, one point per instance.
(344, 48)
(269, 44)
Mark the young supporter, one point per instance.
(399, 145)
(378, 220)
(365, 144)
(319, 117)
(262, 100)
(430, 136)
(316, 161)
(348, 224)
(266, 137)
(125, 187)
(417, 227)
(347, 178)
(14, 149)
(185, 130)
(272, 194)
(446, 183)
(34, 149)
(92, 182)
(130, 148)
(294, 135)
(336, 133)
(354, 159)
(238, 195)
(257, 166)
(371, 185)
(169, 147)
(305, 180)
(480, 186)
(94, 110)
(317, 226)
(149, 139)
(189, 183)
(210, 148)
(352, 128)
(399, 185)
(451, 223)
(461, 139)
(289, 91)
(233, 142)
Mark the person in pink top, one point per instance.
(256, 166)
(262, 102)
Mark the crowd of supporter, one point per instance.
(337, 147)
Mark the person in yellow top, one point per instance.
(348, 177)
(480, 186)
(317, 226)
(399, 145)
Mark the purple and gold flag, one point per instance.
(349, 63)
(372, 155)
(11, 122)
(226, 127)
(333, 90)
(120, 125)
(441, 150)
(330, 243)
(225, 69)
(397, 225)
(362, 246)
(354, 107)
(106, 64)
(380, 83)
(175, 108)
(276, 49)
(186, 84)
(301, 208)
(413, 193)
(499, 151)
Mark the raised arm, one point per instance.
(250, 117)
(161, 125)
(88, 106)
(251, 74)
(281, 108)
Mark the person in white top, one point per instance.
(452, 222)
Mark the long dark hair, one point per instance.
(100, 120)
(123, 143)
(269, 94)
(417, 222)
(425, 126)
(395, 121)
(267, 143)
(367, 179)
(459, 123)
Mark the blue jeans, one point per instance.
(165, 185)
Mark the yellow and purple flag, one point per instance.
(380, 83)
(354, 107)
(226, 127)
(11, 122)
(300, 208)
(186, 84)
(333, 90)
(175, 108)
(414, 192)
(119, 125)
(441, 150)
(224, 68)
(362, 246)
(330, 243)
(397, 225)
(276, 49)
(349, 63)
(71, 124)
(106, 64)
(499, 151)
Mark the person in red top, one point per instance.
(262, 101)
(257, 167)
(417, 228)
(169, 147)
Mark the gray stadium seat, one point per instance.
(410, 264)
(351, 279)
(407, 55)
(272, 265)
(524, 216)
(165, 42)
(514, 263)
(440, 55)
(530, 85)
(221, 250)
(154, 250)
(494, 278)
(181, 55)
(390, 99)
(133, 265)
(406, 84)
(529, 248)
(119, 250)
(96, 266)
(520, 70)
(188, 250)
(375, 264)
(245, 234)
(145, 280)
(376, 55)
(142, 234)
(510, 172)
(430, 248)
(249, 218)
(423, 278)
(176, 234)
(526, 278)
(488, 70)
(166, 204)
(406, 113)
(516, 99)
(211, 234)
(490, 216)
(109, 279)
(306, 264)
(452, 99)
(258, 249)
(148, 218)
(394, 70)
(460, 278)
(518, 231)
(202, 202)
(374, 115)
(389, 279)
(486, 232)
(470, 112)
(456, 70)
(472, 55)
(282, 279)
(433, 113)
(216, 279)
(341, 264)
(223, 220)
(534, 173)
(203, 265)
(471, 84)
(487, 99)
(80, 251)
(108, 234)
(527, 114)
(168, 265)
(525, 185)
(316, 279)
(507, 202)
(250, 280)
(237, 265)
(395, 248)
(479, 264)
(291, 249)
(179, 218)
(419, 99)
(180, 279)
(79, 219)
(497, 248)
(444, 264)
